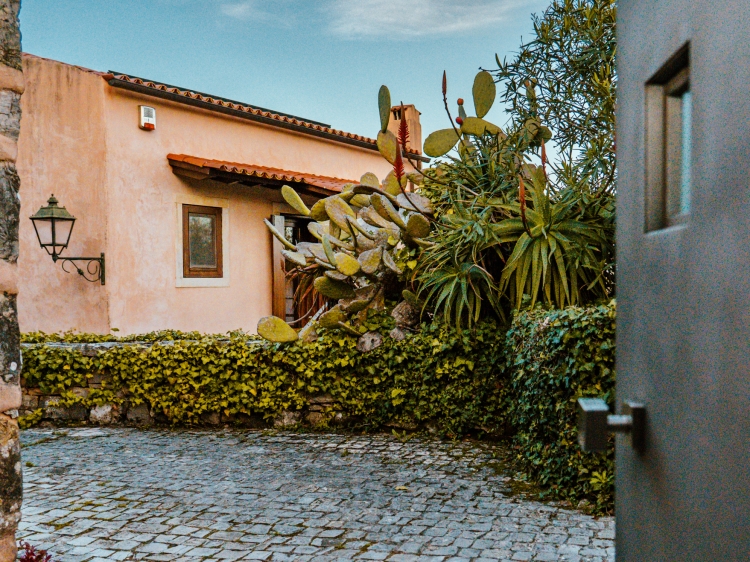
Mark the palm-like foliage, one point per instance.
(555, 257)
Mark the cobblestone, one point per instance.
(197, 496)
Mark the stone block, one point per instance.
(10, 475)
(287, 419)
(369, 341)
(315, 418)
(10, 34)
(80, 391)
(211, 418)
(30, 402)
(140, 415)
(76, 412)
(10, 337)
(254, 421)
(321, 399)
(105, 414)
(10, 206)
(10, 114)
(405, 315)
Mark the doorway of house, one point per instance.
(301, 300)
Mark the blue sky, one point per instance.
(323, 60)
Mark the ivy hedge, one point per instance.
(552, 359)
(523, 382)
(440, 378)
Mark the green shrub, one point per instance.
(440, 377)
(552, 359)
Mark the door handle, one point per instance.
(595, 421)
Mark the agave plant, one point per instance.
(555, 257)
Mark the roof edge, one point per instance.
(243, 111)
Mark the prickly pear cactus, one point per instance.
(359, 233)
(443, 141)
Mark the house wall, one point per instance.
(62, 149)
(115, 177)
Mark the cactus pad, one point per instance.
(440, 142)
(297, 258)
(384, 106)
(276, 330)
(388, 145)
(346, 264)
(332, 318)
(415, 202)
(294, 200)
(333, 289)
(370, 260)
(478, 127)
(417, 226)
(279, 236)
(338, 210)
(484, 92)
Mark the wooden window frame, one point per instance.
(663, 142)
(202, 272)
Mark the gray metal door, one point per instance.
(683, 241)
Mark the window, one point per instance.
(669, 144)
(202, 251)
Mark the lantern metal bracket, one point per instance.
(94, 268)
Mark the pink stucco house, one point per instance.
(176, 204)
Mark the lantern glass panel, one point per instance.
(62, 234)
(44, 231)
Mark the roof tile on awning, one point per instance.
(205, 168)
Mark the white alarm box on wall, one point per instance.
(147, 117)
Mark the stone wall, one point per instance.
(11, 88)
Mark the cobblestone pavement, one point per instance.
(127, 494)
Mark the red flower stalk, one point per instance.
(445, 84)
(403, 129)
(522, 198)
(398, 164)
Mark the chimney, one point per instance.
(412, 121)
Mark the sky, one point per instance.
(322, 60)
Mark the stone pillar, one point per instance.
(11, 88)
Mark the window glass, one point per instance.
(685, 179)
(202, 235)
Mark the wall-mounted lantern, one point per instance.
(53, 226)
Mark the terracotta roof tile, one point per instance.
(334, 185)
(245, 108)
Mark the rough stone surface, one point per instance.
(405, 315)
(52, 411)
(140, 414)
(10, 206)
(10, 34)
(287, 419)
(189, 496)
(10, 352)
(105, 414)
(397, 334)
(10, 485)
(10, 114)
(369, 341)
(10, 337)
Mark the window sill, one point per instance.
(202, 282)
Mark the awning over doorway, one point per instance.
(254, 175)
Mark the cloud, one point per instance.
(245, 10)
(419, 18)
